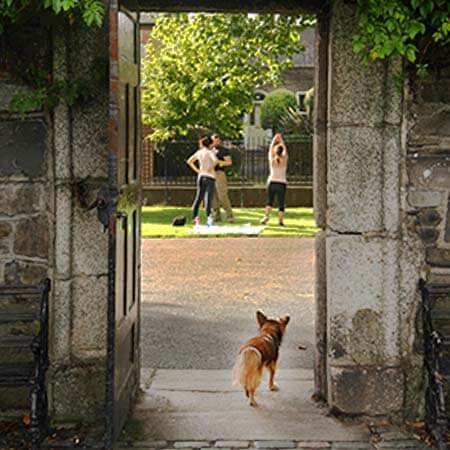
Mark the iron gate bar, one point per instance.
(436, 416)
(250, 165)
(30, 374)
(19, 289)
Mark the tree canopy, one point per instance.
(200, 70)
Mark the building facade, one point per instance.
(297, 80)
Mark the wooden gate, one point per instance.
(124, 221)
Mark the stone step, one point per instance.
(396, 443)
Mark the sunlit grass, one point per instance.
(157, 221)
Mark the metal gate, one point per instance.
(124, 219)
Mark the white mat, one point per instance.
(246, 229)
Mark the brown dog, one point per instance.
(257, 353)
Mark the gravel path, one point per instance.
(200, 297)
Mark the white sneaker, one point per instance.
(264, 220)
(209, 221)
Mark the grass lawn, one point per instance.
(157, 221)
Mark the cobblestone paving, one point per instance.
(399, 441)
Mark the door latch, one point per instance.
(104, 201)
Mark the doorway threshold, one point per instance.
(203, 406)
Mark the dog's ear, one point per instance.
(261, 318)
(285, 320)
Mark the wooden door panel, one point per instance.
(124, 301)
(122, 158)
(121, 269)
(128, 208)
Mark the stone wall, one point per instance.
(428, 170)
(427, 192)
(25, 185)
(43, 229)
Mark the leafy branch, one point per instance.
(417, 30)
(42, 92)
(12, 11)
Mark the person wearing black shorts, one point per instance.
(277, 182)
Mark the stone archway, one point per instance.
(381, 200)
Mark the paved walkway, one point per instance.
(200, 297)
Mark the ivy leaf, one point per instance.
(26, 101)
(57, 5)
(93, 12)
(422, 70)
(391, 25)
(426, 8)
(411, 53)
(358, 45)
(415, 28)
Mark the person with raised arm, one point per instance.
(276, 182)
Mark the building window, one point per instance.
(301, 101)
(259, 97)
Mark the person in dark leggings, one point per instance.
(276, 183)
(207, 161)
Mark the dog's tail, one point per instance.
(248, 369)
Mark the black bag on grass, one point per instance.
(179, 221)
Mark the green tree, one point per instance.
(200, 70)
(274, 107)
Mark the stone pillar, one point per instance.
(367, 346)
(62, 179)
(320, 322)
(81, 246)
(320, 200)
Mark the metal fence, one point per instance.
(250, 166)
